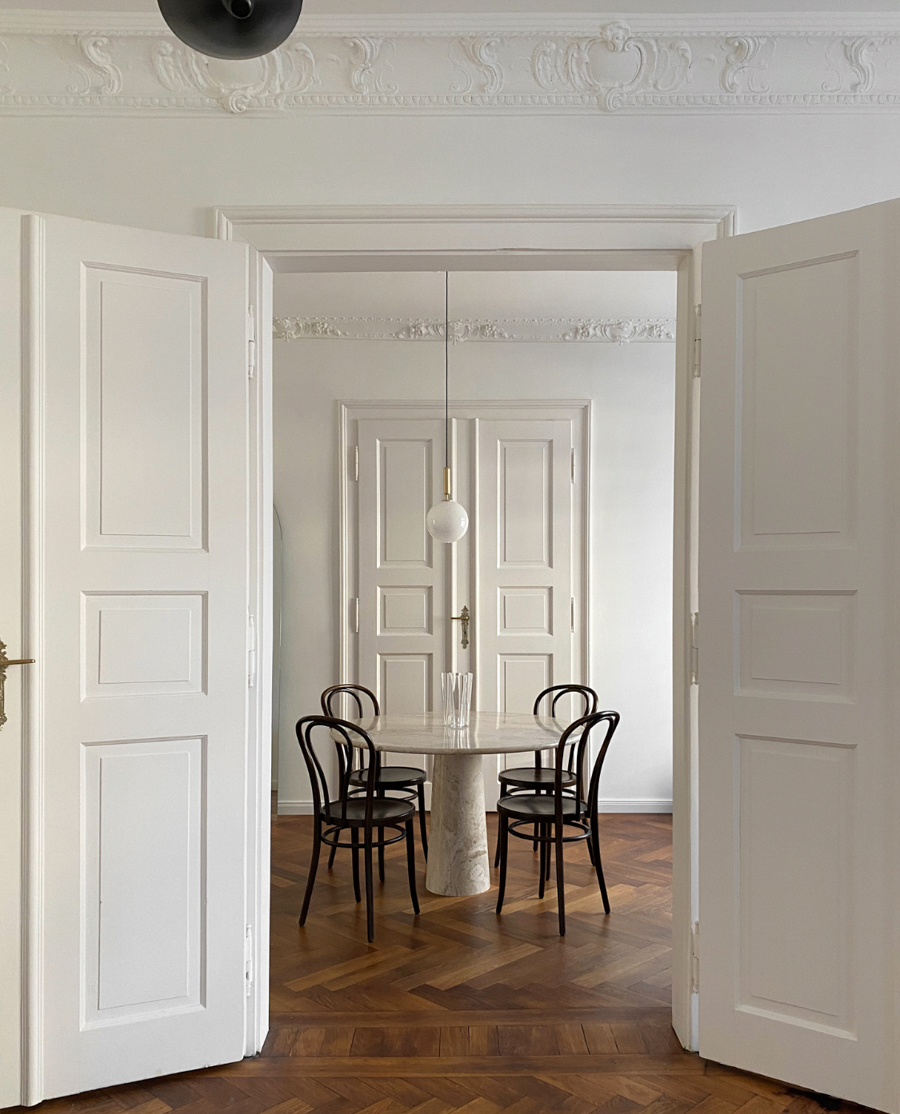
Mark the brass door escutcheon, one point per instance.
(463, 618)
(5, 663)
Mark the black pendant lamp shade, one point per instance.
(231, 28)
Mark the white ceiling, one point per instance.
(623, 8)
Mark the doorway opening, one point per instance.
(524, 238)
(582, 593)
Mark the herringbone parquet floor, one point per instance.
(461, 1011)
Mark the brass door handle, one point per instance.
(5, 663)
(463, 618)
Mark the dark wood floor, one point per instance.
(458, 1010)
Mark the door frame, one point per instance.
(478, 237)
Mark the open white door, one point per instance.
(798, 671)
(138, 510)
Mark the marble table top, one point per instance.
(487, 733)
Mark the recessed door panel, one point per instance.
(795, 890)
(145, 879)
(406, 609)
(144, 375)
(797, 381)
(139, 644)
(797, 644)
(405, 683)
(525, 503)
(525, 610)
(404, 496)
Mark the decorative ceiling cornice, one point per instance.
(609, 330)
(125, 63)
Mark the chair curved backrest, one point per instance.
(330, 695)
(557, 692)
(341, 734)
(591, 699)
(579, 747)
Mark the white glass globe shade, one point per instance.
(447, 521)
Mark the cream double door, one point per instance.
(517, 572)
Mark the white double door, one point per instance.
(517, 572)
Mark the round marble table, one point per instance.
(458, 862)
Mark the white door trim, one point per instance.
(12, 631)
(479, 237)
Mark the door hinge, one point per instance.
(251, 650)
(248, 961)
(356, 463)
(697, 342)
(354, 615)
(572, 614)
(573, 466)
(695, 648)
(251, 342)
(695, 957)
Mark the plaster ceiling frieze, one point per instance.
(129, 63)
(616, 330)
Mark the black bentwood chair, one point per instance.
(356, 815)
(560, 812)
(528, 779)
(409, 780)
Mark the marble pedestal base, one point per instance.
(457, 843)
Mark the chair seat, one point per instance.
(391, 777)
(386, 810)
(529, 777)
(525, 806)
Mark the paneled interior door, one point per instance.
(523, 571)
(798, 663)
(519, 570)
(139, 511)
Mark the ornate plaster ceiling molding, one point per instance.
(608, 330)
(120, 63)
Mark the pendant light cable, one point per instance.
(447, 521)
(446, 369)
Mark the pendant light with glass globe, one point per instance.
(447, 521)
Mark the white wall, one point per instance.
(167, 173)
(632, 388)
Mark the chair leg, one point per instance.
(547, 866)
(423, 827)
(497, 848)
(503, 848)
(354, 839)
(370, 894)
(598, 865)
(313, 867)
(411, 866)
(543, 863)
(345, 789)
(560, 880)
(381, 844)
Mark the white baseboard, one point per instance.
(295, 808)
(304, 808)
(635, 805)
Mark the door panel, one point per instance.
(797, 488)
(523, 631)
(140, 506)
(401, 568)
